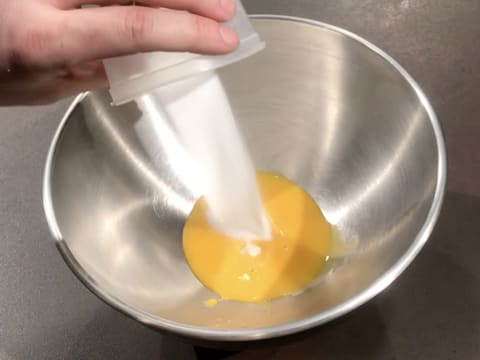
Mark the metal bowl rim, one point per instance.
(262, 333)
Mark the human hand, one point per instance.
(51, 49)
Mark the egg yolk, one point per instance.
(296, 254)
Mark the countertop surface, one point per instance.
(431, 312)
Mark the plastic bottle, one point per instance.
(134, 75)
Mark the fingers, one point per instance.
(220, 10)
(98, 33)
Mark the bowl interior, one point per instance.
(317, 105)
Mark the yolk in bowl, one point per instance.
(287, 263)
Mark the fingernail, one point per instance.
(229, 36)
(228, 6)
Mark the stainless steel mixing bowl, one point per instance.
(320, 105)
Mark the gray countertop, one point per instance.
(431, 312)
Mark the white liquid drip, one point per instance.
(201, 114)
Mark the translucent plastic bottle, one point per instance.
(187, 89)
(134, 75)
